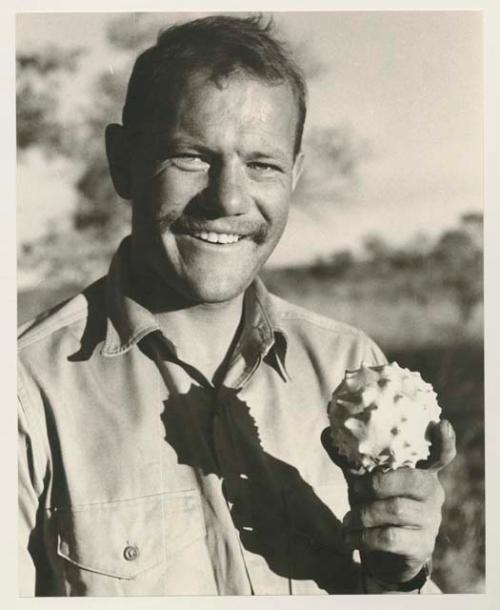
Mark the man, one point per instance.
(172, 415)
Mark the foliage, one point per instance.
(420, 270)
(38, 82)
(459, 253)
(333, 157)
(69, 261)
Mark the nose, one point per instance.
(228, 192)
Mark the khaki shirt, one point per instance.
(139, 477)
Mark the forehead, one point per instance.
(237, 105)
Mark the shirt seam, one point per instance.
(33, 427)
(330, 325)
(36, 335)
(105, 504)
(287, 311)
(138, 335)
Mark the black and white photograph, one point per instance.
(250, 303)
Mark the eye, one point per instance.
(189, 162)
(264, 168)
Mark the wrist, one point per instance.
(371, 584)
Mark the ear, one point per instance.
(118, 151)
(298, 166)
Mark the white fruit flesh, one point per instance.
(379, 417)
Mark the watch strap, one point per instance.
(373, 585)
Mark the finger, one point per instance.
(402, 512)
(412, 483)
(443, 447)
(339, 459)
(398, 540)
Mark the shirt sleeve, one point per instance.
(373, 355)
(30, 487)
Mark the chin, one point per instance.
(219, 290)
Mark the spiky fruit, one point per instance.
(379, 417)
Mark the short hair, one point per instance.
(220, 44)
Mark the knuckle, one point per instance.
(427, 484)
(396, 508)
(365, 537)
(431, 523)
(424, 481)
(438, 494)
(435, 527)
(364, 516)
(377, 483)
(428, 547)
(388, 537)
(441, 495)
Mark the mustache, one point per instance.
(186, 224)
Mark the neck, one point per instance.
(204, 333)
(205, 320)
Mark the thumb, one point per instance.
(443, 448)
(350, 474)
(336, 457)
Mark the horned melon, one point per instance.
(379, 417)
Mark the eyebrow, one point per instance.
(272, 153)
(192, 142)
(182, 141)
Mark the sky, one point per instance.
(408, 83)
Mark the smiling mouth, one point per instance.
(217, 238)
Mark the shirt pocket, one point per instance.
(131, 542)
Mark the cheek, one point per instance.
(172, 189)
(275, 205)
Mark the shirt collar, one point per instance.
(128, 321)
(264, 317)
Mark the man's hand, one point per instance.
(395, 516)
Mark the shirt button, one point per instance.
(131, 553)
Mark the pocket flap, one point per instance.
(124, 538)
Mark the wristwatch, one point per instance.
(373, 585)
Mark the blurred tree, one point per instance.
(453, 263)
(459, 256)
(333, 157)
(337, 265)
(101, 213)
(99, 207)
(38, 81)
(378, 254)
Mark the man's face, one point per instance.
(212, 185)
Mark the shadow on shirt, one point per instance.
(278, 515)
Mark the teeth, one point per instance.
(218, 238)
